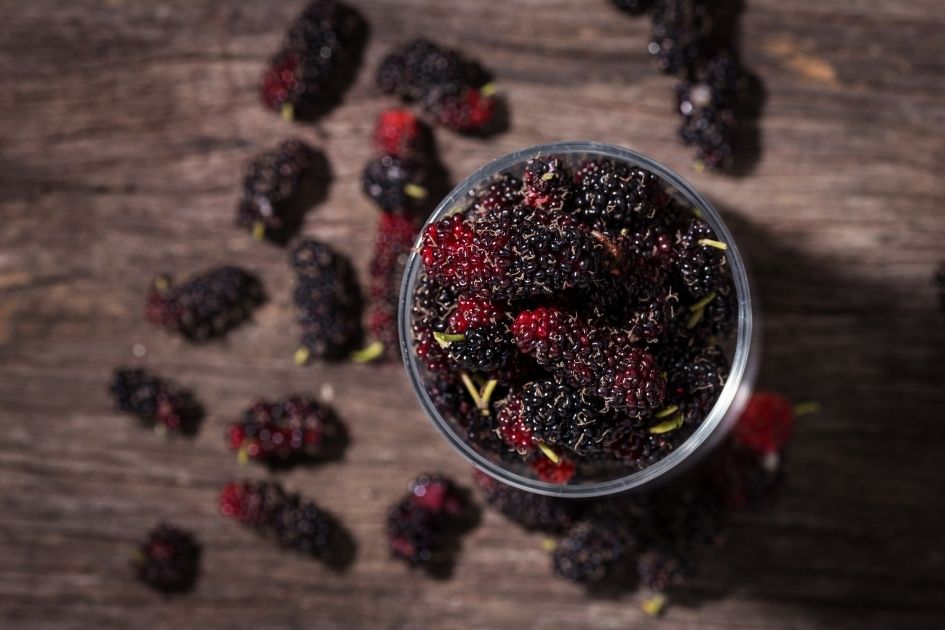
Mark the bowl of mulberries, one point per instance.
(578, 320)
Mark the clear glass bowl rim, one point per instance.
(743, 365)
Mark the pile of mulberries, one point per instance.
(399, 182)
(292, 522)
(569, 319)
(274, 190)
(694, 41)
(328, 302)
(155, 401)
(424, 527)
(455, 92)
(286, 431)
(316, 62)
(169, 560)
(207, 305)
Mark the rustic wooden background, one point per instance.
(124, 125)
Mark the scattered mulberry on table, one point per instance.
(270, 205)
(169, 560)
(155, 401)
(316, 60)
(591, 552)
(395, 184)
(287, 519)
(395, 238)
(207, 305)
(328, 302)
(286, 430)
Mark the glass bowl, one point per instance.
(743, 363)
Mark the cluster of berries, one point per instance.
(661, 536)
(576, 315)
(424, 527)
(694, 40)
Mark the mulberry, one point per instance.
(169, 560)
(154, 401)
(285, 431)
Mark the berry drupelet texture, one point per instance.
(599, 359)
(269, 207)
(513, 254)
(311, 68)
(328, 301)
(286, 431)
(612, 196)
(169, 560)
(290, 521)
(557, 415)
(700, 260)
(501, 194)
(154, 401)
(531, 511)
(546, 183)
(207, 305)
(451, 89)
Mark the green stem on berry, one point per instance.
(701, 304)
(547, 177)
(713, 243)
(549, 544)
(695, 318)
(807, 408)
(368, 353)
(445, 339)
(697, 212)
(415, 191)
(489, 89)
(259, 230)
(242, 455)
(670, 425)
(486, 395)
(653, 606)
(662, 413)
(549, 453)
(301, 356)
(471, 388)
(162, 283)
(288, 112)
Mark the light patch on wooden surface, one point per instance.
(805, 65)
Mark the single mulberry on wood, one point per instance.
(708, 106)
(169, 560)
(395, 184)
(316, 62)
(591, 552)
(154, 401)
(207, 305)
(287, 519)
(328, 302)
(273, 199)
(287, 430)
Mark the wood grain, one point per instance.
(124, 126)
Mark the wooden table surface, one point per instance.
(124, 125)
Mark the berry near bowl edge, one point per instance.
(743, 365)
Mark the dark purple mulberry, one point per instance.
(206, 306)
(169, 560)
(155, 401)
